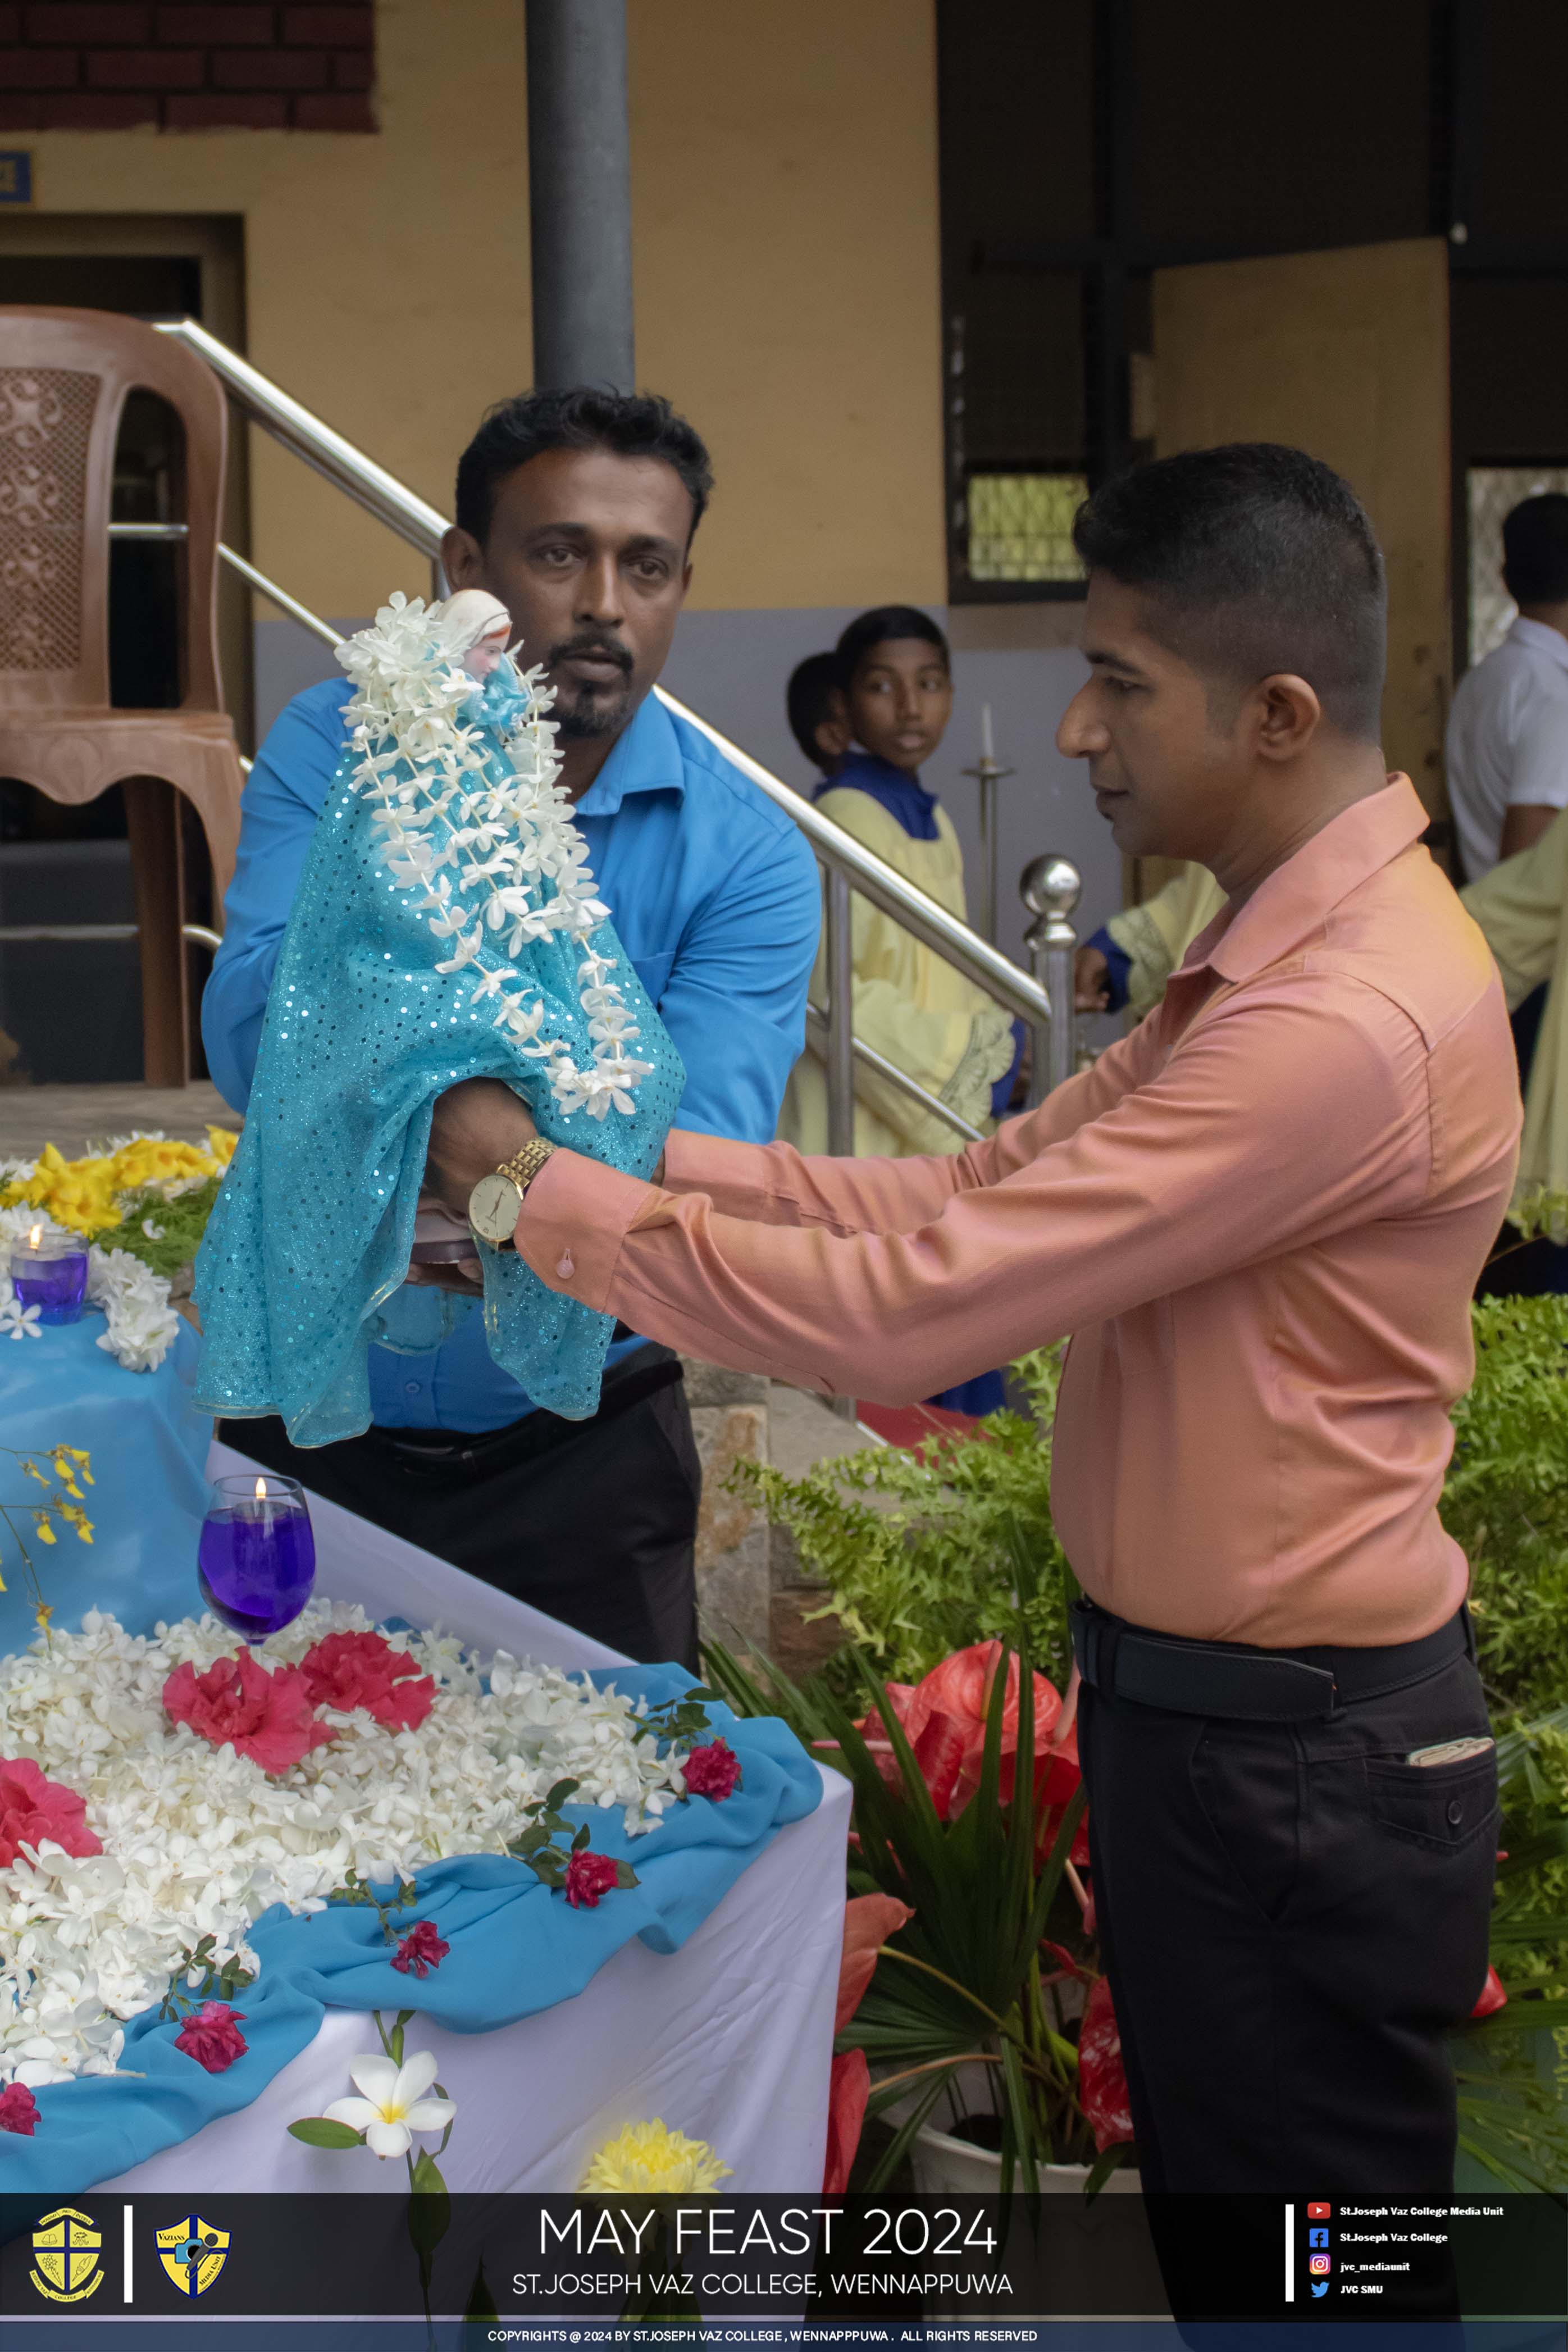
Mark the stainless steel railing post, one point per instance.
(840, 960)
(1050, 888)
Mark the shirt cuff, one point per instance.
(574, 1216)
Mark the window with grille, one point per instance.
(1020, 526)
(1493, 492)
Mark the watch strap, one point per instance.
(524, 1165)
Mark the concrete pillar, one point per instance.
(579, 192)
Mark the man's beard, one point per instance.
(599, 709)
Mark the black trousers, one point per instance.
(593, 1521)
(1291, 1917)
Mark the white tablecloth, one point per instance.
(727, 2039)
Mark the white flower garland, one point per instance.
(199, 1841)
(141, 1324)
(502, 841)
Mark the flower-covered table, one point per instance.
(703, 1994)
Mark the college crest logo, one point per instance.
(193, 2253)
(66, 2247)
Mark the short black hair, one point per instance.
(879, 628)
(1535, 551)
(579, 416)
(1256, 559)
(808, 699)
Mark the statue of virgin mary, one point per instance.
(445, 928)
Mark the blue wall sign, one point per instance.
(16, 176)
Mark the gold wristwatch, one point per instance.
(494, 1203)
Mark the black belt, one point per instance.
(1225, 1679)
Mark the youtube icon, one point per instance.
(1319, 2212)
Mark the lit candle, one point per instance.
(257, 1560)
(987, 744)
(50, 1275)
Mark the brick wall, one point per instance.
(305, 65)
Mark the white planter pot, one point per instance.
(945, 2166)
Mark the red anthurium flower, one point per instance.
(350, 1670)
(421, 1949)
(212, 2037)
(33, 1808)
(267, 1717)
(714, 1770)
(943, 1718)
(1492, 1997)
(849, 2087)
(589, 1876)
(1102, 2078)
(869, 1921)
(18, 2110)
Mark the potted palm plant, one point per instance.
(985, 2037)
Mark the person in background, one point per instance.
(1520, 907)
(1507, 747)
(894, 693)
(577, 508)
(1123, 966)
(816, 714)
(895, 682)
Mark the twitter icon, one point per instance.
(1319, 2286)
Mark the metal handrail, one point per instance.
(29, 934)
(406, 514)
(816, 1029)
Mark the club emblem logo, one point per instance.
(193, 2253)
(66, 2246)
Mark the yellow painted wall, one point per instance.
(785, 240)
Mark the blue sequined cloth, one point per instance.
(311, 1236)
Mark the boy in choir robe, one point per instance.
(894, 696)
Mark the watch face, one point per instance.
(493, 1207)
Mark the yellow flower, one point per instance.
(223, 1144)
(75, 1516)
(42, 1528)
(648, 2157)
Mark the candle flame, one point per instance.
(34, 1239)
(261, 1490)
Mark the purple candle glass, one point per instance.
(255, 1563)
(50, 1275)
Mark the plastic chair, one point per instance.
(64, 379)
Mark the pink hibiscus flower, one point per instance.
(350, 1670)
(237, 1704)
(33, 1808)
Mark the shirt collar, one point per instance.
(1294, 900)
(646, 759)
(1537, 638)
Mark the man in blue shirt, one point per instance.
(578, 510)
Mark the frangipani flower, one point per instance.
(649, 2158)
(394, 2105)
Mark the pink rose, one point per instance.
(18, 2110)
(712, 1771)
(350, 1670)
(421, 1949)
(589, 1876)
(212, 2037)
(237, 1704)
(33, 1808)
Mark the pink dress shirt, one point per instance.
(1260, 1218)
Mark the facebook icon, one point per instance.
(1317, 2237)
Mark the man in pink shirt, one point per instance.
(1259, 1218)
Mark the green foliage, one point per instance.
(683, 1719)
(220, 1983)
(180, 1225)
(925, 1553)
(536, 1845)
(961, 1981)
(1506, 1500)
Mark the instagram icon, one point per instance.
(1319, 2265)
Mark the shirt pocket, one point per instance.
(1442, 1807)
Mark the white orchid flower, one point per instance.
(394, 2106)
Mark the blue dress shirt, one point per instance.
(714, 894)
